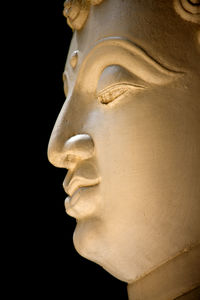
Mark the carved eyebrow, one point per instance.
(122, 52)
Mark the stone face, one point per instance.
(129, 136)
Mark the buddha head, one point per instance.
(128, 133)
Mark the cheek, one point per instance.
(130, 141)
(146, 156)
(140, 149)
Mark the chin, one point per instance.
(88, 239)
(91, 242)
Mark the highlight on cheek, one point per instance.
(116, 92)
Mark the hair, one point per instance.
(76, 12)
(189, 10)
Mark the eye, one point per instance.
(65, 83)
(116, 91)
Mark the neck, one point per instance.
(178, 278)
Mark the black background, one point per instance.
(52, 266)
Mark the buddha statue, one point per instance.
(129, 136)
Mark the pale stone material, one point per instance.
(129, 135)
(74, 59)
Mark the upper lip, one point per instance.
(84, 175)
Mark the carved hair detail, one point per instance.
(188, 10)
(76, 12)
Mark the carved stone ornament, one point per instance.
(76, 12)
(188, 9)
(128, 135)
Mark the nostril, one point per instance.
(71, 161)
(68, 154)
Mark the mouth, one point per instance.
(81, 186)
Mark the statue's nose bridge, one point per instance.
(67, 137)
(62, 131)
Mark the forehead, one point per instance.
(154, 25)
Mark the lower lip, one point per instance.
(83, 203)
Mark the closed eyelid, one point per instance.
(128, 55)
(124, 85)
(116, 75)
(117, 91)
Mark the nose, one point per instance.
(76, 148)
(69, 142)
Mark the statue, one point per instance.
(129, 136)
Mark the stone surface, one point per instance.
(129, 136)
